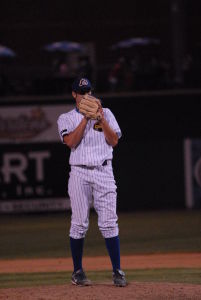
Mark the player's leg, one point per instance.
(80, 193)
(105, 206)
(105, 199)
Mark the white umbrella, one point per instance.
(137, 41)
(6, 52)
(64, 46)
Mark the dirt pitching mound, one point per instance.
(106, 291)
(151, 291)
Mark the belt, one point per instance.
(92, 167)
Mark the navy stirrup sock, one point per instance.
(113, 247)
(77, 252)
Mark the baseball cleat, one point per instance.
(79, 278)
(119, 278)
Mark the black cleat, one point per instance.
(119, 278)
(79, 278)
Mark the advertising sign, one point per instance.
(33, 160)
(192, 155)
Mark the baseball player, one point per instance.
(91, 132)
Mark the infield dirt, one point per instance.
(99, 291)
(135, 290)
(171, 260)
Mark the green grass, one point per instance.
(191, 276)
(46, 235)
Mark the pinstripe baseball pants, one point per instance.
(95, 185)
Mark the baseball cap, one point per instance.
(81, 85)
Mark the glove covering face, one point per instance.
(90, 107)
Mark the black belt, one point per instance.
(92, 167)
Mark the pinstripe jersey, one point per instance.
(93, 149)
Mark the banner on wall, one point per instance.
(192, 167)
(30, 124)
(33, 161)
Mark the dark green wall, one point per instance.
(149, 162)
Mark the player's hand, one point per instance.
(90, 107)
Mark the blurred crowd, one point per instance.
(151, 73)
(124, 74)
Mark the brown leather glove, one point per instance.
(90, 107)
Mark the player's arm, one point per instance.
(110, 135)
(73, 138)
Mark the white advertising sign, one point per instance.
(30, 124)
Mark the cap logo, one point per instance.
(83, 82)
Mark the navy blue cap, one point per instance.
(81, 85)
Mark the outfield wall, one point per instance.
(148, 162)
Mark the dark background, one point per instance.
(27, 25)
(149, 160)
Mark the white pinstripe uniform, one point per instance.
(89, 178)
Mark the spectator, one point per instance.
(121, 76)
(85, 67)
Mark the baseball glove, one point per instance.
(90, 107)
